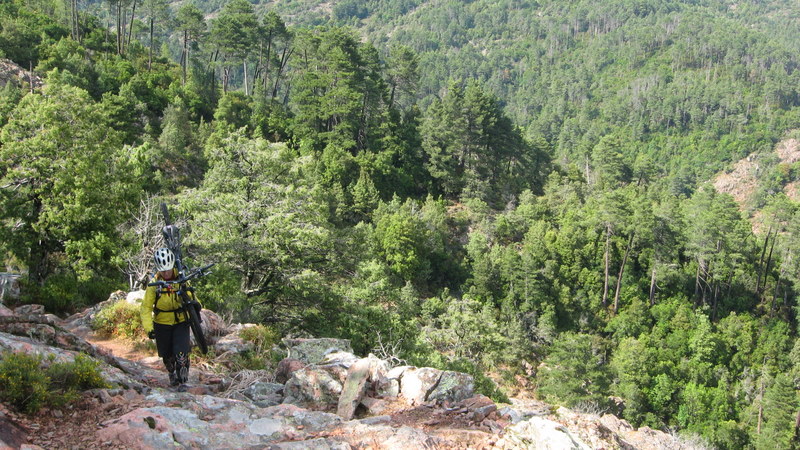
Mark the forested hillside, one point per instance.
(515, 189)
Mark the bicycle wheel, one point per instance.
(197, 330)
(165, 213)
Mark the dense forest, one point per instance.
(515, 189)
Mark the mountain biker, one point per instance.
(165, 320)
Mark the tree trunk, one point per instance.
(761, 262)
(130, 28)
(225, 76)
(244, 68)
(119, 27)
(621, 272)
(653, 286)
(769, 259)
(714, 301)
(73, 19)
(150, 52)
(697, 281)
(266, 65)
(391, 95)
(185, 54)
(284, 59)
(605, 264)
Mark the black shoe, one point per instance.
(182, 388)
(173, 379)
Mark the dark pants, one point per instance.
(173, 346)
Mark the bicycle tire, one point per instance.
(165, 213)
(197, 330)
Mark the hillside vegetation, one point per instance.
(517, 190)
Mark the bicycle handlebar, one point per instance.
(194, 273)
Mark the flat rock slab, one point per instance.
(312, 351)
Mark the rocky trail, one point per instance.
(320, 397)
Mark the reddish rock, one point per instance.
(11, 435)
(286, 368)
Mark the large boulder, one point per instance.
(232, 343)
(452, 387)
(312, 351)
(136, 296)
(541, 434)
(314, 388)
(4, 311)
(354, 388)
(212, 323)
(416, 383)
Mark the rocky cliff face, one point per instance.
(12, 73)
(321, 397)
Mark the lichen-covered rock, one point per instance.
(378, 368)
(345, 359)
(312, 388)
(353, 390)
(312, 351)
(417, 383)
(453, 387)
(378, 436)
(25, 310)
(265, 394)
(232, 343)
(386, 387)
(136, 296)
(542, 434)
(375, 406)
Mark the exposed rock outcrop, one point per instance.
(10, 72)
(376, 406)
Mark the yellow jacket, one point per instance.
(167, 303)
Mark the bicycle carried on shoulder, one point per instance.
(191, 307)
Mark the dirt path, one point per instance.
(138, 353)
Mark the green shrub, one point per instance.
(64, 293)
(82, 373)
(27, 385)
(483, 384)
(120, 319)
(23, 384)
(263, 338)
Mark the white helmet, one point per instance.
(165, 259)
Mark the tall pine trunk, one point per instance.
(150, 52)
(761, 262)
(653, 286)
(621, 272)
(605, 264)
(130, 28)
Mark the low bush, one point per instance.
(23, 385)
(262, 356)
(28, 383)
(120, 319)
